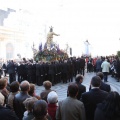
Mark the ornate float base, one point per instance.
(50, 55)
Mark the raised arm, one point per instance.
(56, 34)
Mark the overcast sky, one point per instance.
(97, 21)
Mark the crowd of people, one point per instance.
(18, 99)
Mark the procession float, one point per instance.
(51, 50)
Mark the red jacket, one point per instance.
(52, 110)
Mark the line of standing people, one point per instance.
(38, 72)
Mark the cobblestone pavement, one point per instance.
(61, 88)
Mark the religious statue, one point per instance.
(87, 51)
(50, 42)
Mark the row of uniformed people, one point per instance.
(38, 72)
(54, 71)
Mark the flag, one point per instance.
(40, 47)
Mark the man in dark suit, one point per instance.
(11, 71)
(82, 88)
(65, 71)
(93, 97)
(51, 72)
(98, 65)
(20, 70)
(103, 86)
(70, 71)
(38, 73)
(4, 67)
(33, 72)
(82, 65)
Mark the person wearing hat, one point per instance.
(52, 104)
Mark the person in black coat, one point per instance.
(98, 65)
(109, 109)
(89, 66)
(29, 72)
(93, 97)
(33, 72)
(11, 71)
(82, 88)
(22, 71)
(70, 71)
(65, 71)
(46, 69)
(82, 65)
(103, 86)
(51, 72)
(19, 72)
(4, 67)
(37, 73)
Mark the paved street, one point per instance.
(61, 88)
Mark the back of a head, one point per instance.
(78, 78)
(101, 75)
(96, 81)
(32, 89)
(113, 97)
(29, 102)
(72, 89)
(111, 106)
(1, 99)
(3, 83)
(24, 86)
(40, 109)
(106, 59)
(47, 84)
(14, 86)
(52, 97)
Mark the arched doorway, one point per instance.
(9, 51)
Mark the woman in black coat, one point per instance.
(109, 109)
